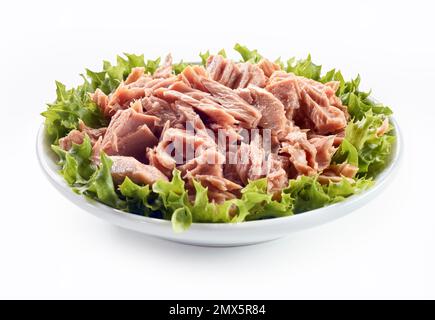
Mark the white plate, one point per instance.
(217, 234)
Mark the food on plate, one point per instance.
(218, 141)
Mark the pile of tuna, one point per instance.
(302, 120)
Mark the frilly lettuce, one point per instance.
(305, 68)
(70, 106)
(373, 149)
(111, 76)
(248, 55)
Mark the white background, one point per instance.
(51, 249)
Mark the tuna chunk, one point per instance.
(248, 115)
(215, 113)
(192, 75)
(383, 128)
(102, 101)
(138, 172)
(136, 86)
(250, 74)
(223, 70)
(324, 117)
(272, 110)
(185, 88)
(135, 75)
(251, 160)
(302, 154)
(122, 97)
(212, 110)
(235, 75)
(324, 150)
(216, 183)
(277, 177)
(160, 160)
(215, 66)
(164, 111)
(208, 162)
(253, 163)
(207, 169)
(268, 67)
(338, 172)
(77, 136)
(311, 104)
(129, 134)
(164, 71)
(178, 146)
(73, 137)
(285, 87)
(300, 159)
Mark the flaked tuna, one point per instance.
(268, 67)
(271, 109)
(323, 117)
(207, 168)
(102, 101)
(74, 137)
(205, 106)
(235, 75)
(311, 104)
(137, 172)
(254, 163)
(285, 87)
(223, 70)
(324, 150)
(129, 134)
(277, 177)
(247, 114)
(301, 153)
(77, 136)
(251, 74)
(338, 172)
(196, 122)
(192, 76)
(383, 128)
(164, 71)
(135, 75)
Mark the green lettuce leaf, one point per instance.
(362, 146)
(137, 197)
(181, 219)
(373, 150)
(172, 194)
(70, 106)
(358, 102)
(179, 67)
(100, 185)
(111, 76)
(305, 68)
(204, 56)
(85, 177)
(338, 191)
(248, 55)
(346, 153)
(260, 204)
(76, 164)
(308, 194)
(205, 211)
